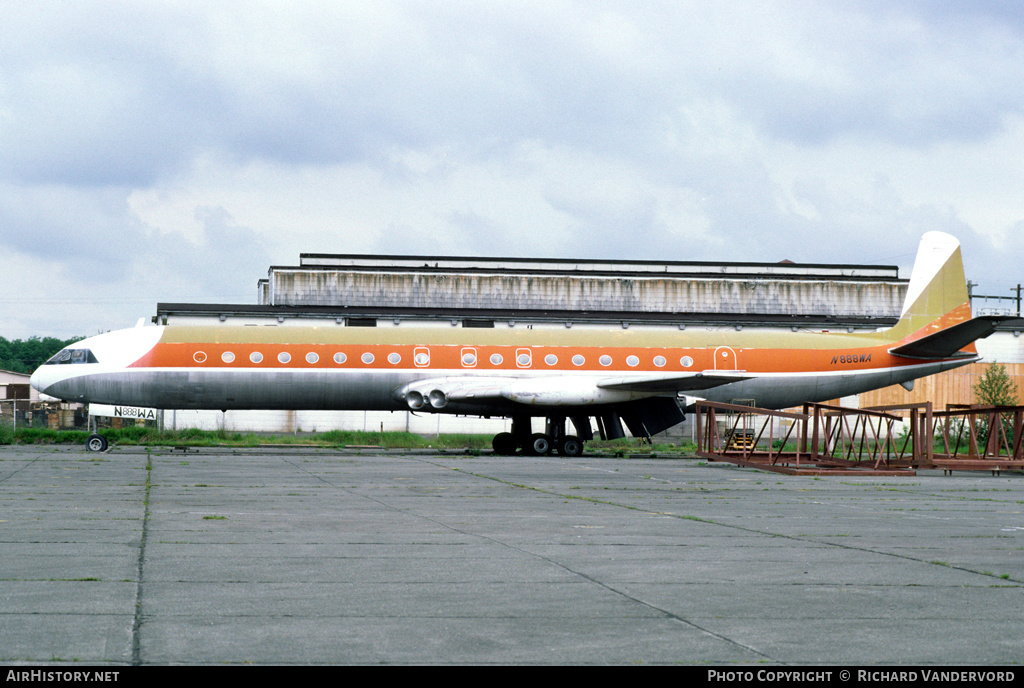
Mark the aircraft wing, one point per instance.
(948, 342)
(657, 384)
(556, 390)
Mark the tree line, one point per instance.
(24, 356)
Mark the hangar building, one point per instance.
(345, 290)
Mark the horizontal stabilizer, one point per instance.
(948, 342)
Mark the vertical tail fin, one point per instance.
(937, 295)
(936, 321)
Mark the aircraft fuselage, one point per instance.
(276, 367)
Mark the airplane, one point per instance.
(643, 379)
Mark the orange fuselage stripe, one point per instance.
(448, 357)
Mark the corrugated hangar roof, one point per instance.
(361, 290)
(370, 316)
(561, 266)
(424, 283)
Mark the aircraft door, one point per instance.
(725, 358)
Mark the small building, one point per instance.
(16, 386)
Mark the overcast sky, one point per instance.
(172, 151)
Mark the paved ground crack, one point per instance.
(140, 569)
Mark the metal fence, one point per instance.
(16, 414)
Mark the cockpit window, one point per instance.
(65, 356)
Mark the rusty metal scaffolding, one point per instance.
(980, 438)
(825, 439)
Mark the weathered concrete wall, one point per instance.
(771, 295)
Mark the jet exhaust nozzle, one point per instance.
(438, 399)
(415, 400)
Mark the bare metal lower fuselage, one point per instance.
(362, 390)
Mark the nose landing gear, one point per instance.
(96, 443)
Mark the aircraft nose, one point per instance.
(41, 380)
(50, 384)
(36, 381)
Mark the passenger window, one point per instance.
(421, 357)
(524, 358)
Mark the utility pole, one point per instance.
(1016, 298)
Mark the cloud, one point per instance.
(221, 265)
(86, 233)
(175, 150)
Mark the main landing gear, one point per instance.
(554, 439)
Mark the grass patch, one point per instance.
(624, 447)
(147, 436)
